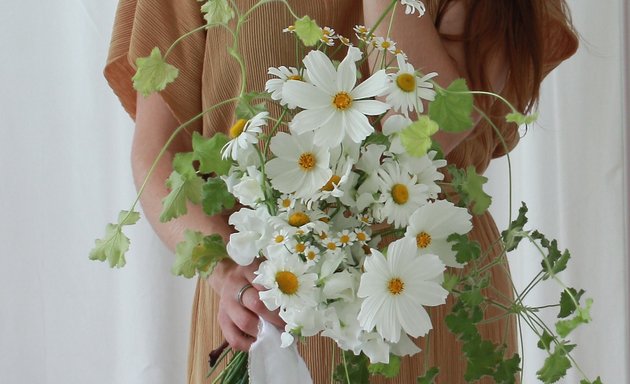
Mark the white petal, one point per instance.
(357, 126)
(311, 119)
(346, 74)
(373, 86)
(321, 71)
(370, 107)
(305, 95)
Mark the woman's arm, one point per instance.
(154, 125)
(428, 52)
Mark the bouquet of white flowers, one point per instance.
(341, 200)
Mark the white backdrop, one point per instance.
(64, 164)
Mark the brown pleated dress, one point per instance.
(209, 75)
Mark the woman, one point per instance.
(502, 46)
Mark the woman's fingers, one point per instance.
(233, 334)
(252, 301)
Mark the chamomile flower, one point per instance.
(311, 253)
(400, 194)
(334, 106)
(274, 86)
(361, 31)
(344, 40)
(300, 167)
(431, 224)
(285, 202)
(426, 169)
(289, 29)
(384, 44)
(288, 284)
(328, 36)
(244, 133)
(396, 289)
(362, 236)
(280, 237)
(406, 91)
(346, 237)
(411, 6)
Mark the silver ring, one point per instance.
(239, 295)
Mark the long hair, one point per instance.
(534, 36)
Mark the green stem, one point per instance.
(345, 367)
(182, 37)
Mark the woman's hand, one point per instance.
(239, 322)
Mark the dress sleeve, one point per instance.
(141, 25)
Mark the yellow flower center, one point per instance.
(279, 239)
(423, 239)
(330, 185)
(307, 161)
(342, 101)
(299, 219)
(406, 82)
(400, 194)
(361, 236)
(287, 282)
(386, 44)
(300, 247)
(311, 255)
(295, 77)
(344, 239)
(332, 246)
(237, 128)
(395, 286)
(286, 203)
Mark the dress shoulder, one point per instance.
(140, 26)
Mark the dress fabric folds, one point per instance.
(209, 75)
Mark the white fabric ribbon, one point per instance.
(269, 363)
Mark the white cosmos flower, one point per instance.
(248, 189)
(274, 86)
(300, 167)
(253, 234)
(288, 284)
(333, 105)
(406, 90)
(244, 134)
(413, 5)
(400, 194)
(397, 288)
(431, 224)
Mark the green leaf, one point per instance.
(246, 109)
(450, 281)
(113, 246)
(461, 321)
(217, 12)
(216, 197)
(153, 73)
(452, 107)
(357, 366)
(308, 31)
(198, 254)
(597, 381)
(416, 138)
(429, 377)
(183, 187)
(515, 233)
(582, 316)
(567, 305)
(466, 249)
(545, 341)
(506, 370)
(469, 186)
(472, 297)
(556, 365)
(389, 370)
(482, 356)
(554, 261)
(208, 153)
(520, 119)
(377, 138)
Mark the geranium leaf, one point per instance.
(198, 254)
(113, 246)
(452, 107)
(183, 187)
(567, 305)
(357, 366)
(520, 119)
(389, 370)
(469, 186)
(466, 249)
(153, 73)
(556, 365)
(216, 197)
(217, 12)
(416, 138)
(506, 370)
(515, 233)
(246, 108)
(308, 31)
(208, 153)
(582, 316)
(429, 377)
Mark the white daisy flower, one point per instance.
(285, 202)
(400, 194)
(346, 237)
(299, 220)
(384, 44)
(397, 288)
(328, 36)
(288, 284)
(301, 167)
(311, 253)
(362, 236)
(280, 237)
(289, 29)
(406, 90)
(431, 224)
(274, 86)
(333, 105)
(411, 6)
(244, 134)
(361, 32)
(344, 40)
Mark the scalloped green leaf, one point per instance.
(153, 73)
(452, 107)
